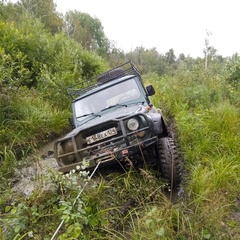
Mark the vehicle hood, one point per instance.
(111, 114)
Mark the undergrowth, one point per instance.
(27, 121)
(136, 204)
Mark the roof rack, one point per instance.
(85, 85)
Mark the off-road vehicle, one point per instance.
(114, 121)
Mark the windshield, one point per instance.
(116, 94)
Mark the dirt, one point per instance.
(35, 175)
(31, 175)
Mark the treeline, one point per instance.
(88, 32)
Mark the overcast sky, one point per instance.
(165, 24)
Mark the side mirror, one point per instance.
(150, 90)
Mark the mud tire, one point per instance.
(169, 161)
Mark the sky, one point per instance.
(165, 24)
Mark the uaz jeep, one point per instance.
(115, 120)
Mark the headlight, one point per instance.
(133, 124)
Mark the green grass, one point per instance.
(134, 204)
(208, 124)
(27, 120)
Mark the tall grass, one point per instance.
(28, 120)
(208, 123)
(134, 204)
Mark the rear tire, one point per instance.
(169, 160)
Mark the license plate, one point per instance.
(101, 135)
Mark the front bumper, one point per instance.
(110, 149)
(109, 155)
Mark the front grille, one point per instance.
(108, 148)
(123, 136)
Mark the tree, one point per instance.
(233, 70)
(207, 48)
(181, 57)
(87, 31)
(45, 10)
(171, 60)
(170, 57)
(116, 56)
(148, 60)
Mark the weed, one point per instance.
(133, 204)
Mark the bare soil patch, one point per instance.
(38, 166)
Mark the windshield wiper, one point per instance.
(88, 114)
(115, 105)
(142, 102)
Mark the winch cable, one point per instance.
(60, 225)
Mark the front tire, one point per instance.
(169, 161)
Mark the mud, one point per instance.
(33, 174)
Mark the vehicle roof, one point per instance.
(112, 76)
(101, 86)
